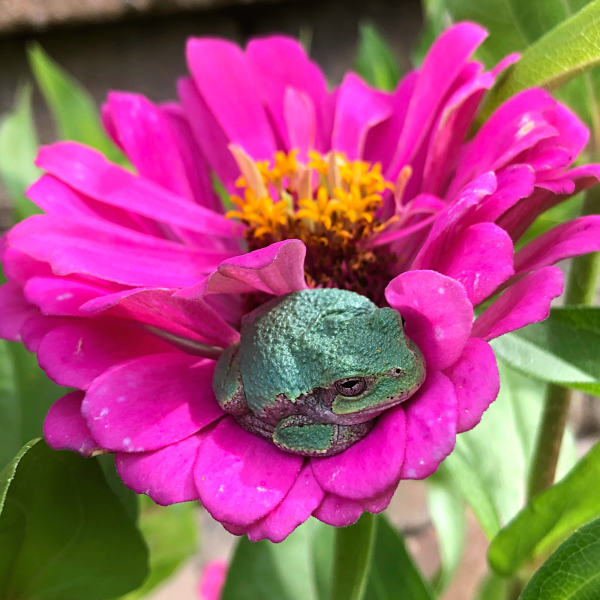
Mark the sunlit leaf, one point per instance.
(73, 108)
(353, 555)
(549, 518)
(267, 571)
(563, 349)
(18, 149)
(447, 513)
(572, 572)
(490, 462)
(563, 53)
(63, 534)
(514, 25)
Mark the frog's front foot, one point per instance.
(302, 435)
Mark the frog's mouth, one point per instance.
(299, 434)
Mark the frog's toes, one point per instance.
(301, 435)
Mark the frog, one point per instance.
(313, 369)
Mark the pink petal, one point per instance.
(277, 269)
(442, 65)
(517, 220)
(476, 382)
(369, 466)
(212, 580)
(224, 76)
(295, 508)
(107, 251)
(281, 65)
(60, 295)
(15, 311)
(513, 184)
(574, 238)
(447, 221)
(20, 267)
(338, 511)
(146, 138)
(437, 311)
(150, 402)
(194, 161)
(431, 417)
(300, 121)
(57, 198)
(450, 130)
(514, 127)
(166, 475)
(241, 477)
(76, 353)
(35, 329)
(66, 429)
(191, 319)
(379, 503)
(208, 134)
(89, 172)
(358, 109)
(481, 258)
(382, 139)
(525, 302)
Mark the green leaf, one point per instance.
(10, 410)
(490, 462)
(572, 572)
(171, 535)
(322, 551)
(352, 558)
(18, 149)
(492, 587)
(447, 513)
(437, 18)
(563, 349)
(563, 53)
(128, 498)
(267, 571)
(549, 518)
(73, 108)
(393, 572)
(36, 393)
(63, 533)
(515, 25)
(376, 62)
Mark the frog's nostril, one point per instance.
(398, 372)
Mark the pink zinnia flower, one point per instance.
(212, 580)
(131, 285)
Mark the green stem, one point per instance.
(581, 289)
(352, 558)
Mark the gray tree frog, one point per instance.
(314, 368)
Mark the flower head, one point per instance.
(131, 286)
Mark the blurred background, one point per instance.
(138, 45)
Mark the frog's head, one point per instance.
(370, 364)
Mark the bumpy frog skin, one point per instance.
(314, 368)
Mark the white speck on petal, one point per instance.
(441, 290)
(439, 333)
(126, 441)
(65, 296)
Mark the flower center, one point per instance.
(330, 203)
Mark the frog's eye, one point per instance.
(351, 387)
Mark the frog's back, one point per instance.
(278, 354)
